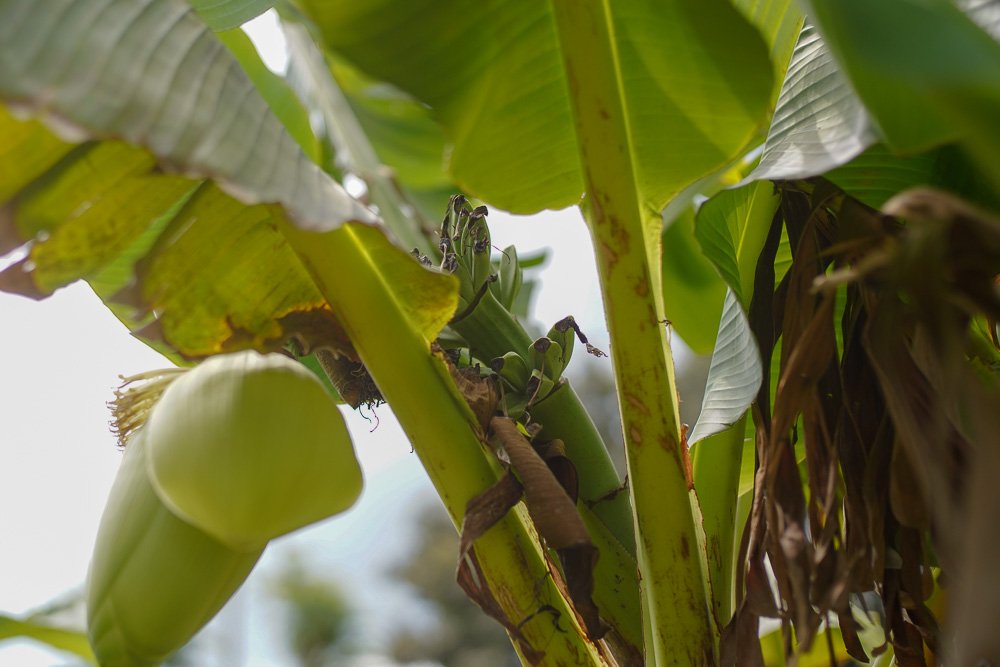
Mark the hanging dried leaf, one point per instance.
(553, 453)
(480, 393)
(557, 521)
(890, 431)
(482, 512)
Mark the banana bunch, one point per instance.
(466, 251)
(485, 325)
(530, 376)
(235, 452)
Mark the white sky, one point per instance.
(61, 358)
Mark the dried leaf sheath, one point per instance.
(556, 519)
(482, 513)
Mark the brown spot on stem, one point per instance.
(574, 85)
(619, 233)
(686, 458)
(685, 549)
(653, 317)
(637, 403)
(715, 548)
(608, 257)
(635, 435)
(595, 203)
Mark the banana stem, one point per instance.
(491, 330)
(348, 265)
(626, 237)
(716, 462)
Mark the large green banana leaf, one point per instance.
(835, 104)
(136, 152)
(493, 76)
(922, 97)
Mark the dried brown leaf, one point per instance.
(554, 454)
(556, 518)
(482, 512)
(739, 645)
(480, 393)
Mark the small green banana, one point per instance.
(482, 266)
(538, 387)
(514, 406)
(547, 356)
(466, 287)
(511, 277)
(512, 368)
(562, 332)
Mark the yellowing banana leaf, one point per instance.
(427, 299)
(152, 74)
(108, 132)
(216, 270)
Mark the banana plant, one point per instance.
(742, 170)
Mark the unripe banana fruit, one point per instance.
(512, 368)
(547, 356)
(235, 452)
